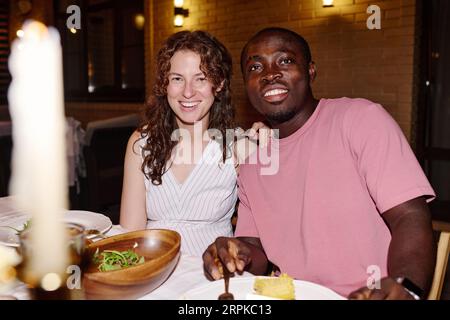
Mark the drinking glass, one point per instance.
(62, 286)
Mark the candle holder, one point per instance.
(57, 285)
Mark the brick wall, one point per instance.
(351, 60)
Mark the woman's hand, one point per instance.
(259, 132)
(248, 141)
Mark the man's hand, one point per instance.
(389, 290)
(231, 253)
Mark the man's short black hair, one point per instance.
(289, 34)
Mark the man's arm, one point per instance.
(412, 251)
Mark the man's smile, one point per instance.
(277, 94)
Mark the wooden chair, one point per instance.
(5, 164)
(441, 226)
(104, 167)
(441, 260)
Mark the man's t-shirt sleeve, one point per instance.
(245, 226)
(384, 158)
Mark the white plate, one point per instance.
(88, 219)
(241, 287)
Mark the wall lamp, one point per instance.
(180, 13)
(327, 3)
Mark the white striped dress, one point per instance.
(199, 209)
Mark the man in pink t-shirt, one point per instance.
(347, 207)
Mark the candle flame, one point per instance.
(35, 31)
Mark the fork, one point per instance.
(95, 233)
(226, 277)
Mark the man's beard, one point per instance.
(280, 116)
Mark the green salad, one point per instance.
(25, 226)
(109, 260)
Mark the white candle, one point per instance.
(39, 160)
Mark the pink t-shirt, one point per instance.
(318, 217)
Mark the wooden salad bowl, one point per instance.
(160, 249)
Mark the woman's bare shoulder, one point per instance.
(136, 141)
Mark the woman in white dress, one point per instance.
(180, 170)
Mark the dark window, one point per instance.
(434, 104)
(5, 77)
(104, 60)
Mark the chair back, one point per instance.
(441, 266)
(104, 167)
(5, 164)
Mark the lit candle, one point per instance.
(39, 160)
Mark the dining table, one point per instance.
(186, 282)
(187, 274)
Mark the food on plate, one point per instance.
(109, 260)
(9, 259)
(25, 226)
(281, 287)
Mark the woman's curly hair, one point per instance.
(159, 119)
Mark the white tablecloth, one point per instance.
(188, 273)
